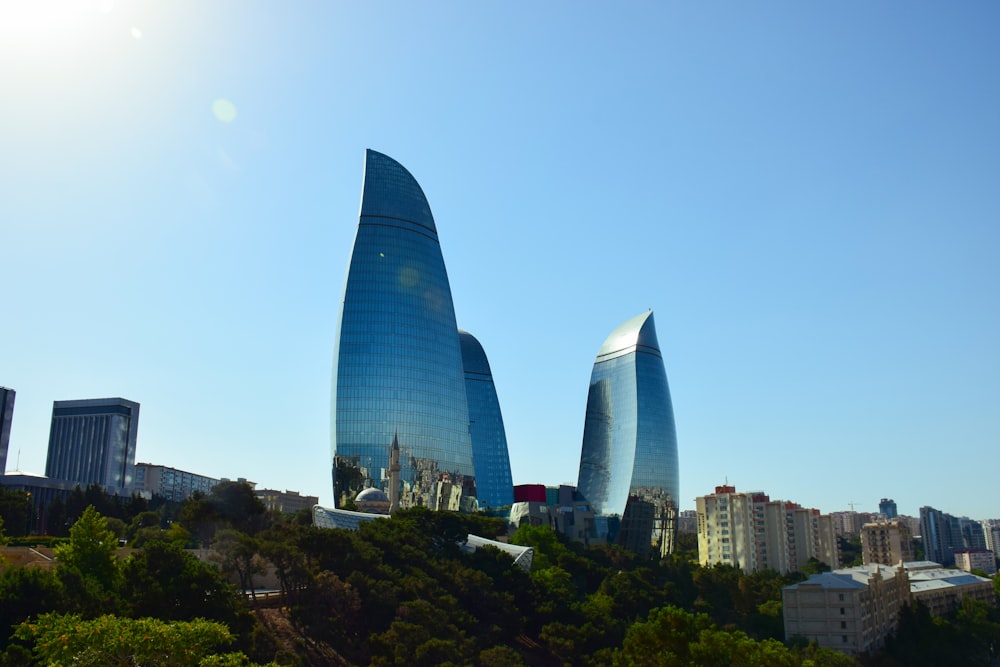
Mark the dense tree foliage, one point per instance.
(404, 591)
(109, 641)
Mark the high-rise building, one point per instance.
(397, 362)
(628, 463)
(752, 532)
(6, 416)
(887, 542)
(943, 533)
(887, 507)
(93, 442)
(489, 441)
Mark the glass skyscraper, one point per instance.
(628, 464)
(93, 442)
(397, 363)
(489, 441)
(6, 417)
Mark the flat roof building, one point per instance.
(93, 442)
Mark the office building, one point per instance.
(943, 534)
(754, 533)
(171, 483)
(628, 462)
(93, 442)
(887, 508)
(991, 534)
(886, 542)
(494, 486)
(397, 363)
(6, 416)
(852, 610)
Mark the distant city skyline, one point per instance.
(806, 195)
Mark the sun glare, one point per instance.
(44, 26)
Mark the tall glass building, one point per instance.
(489, 441)
(93, 442)
(628, 464)
(397, 363)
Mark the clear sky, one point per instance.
(806, 194)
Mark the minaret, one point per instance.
(394, 475)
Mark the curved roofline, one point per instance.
(639, 331)
(404, 195)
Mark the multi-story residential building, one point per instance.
(852, 610)
(753, 532)
(687, 521)
(887, 508)
(93, 442)
(171, 483)
(886, 542)
(628, 461)
(849, 524)
(397, 365)
(287, 502)
(494, 487)
(6, 417)
(983, 560)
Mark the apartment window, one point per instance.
(841, 597)
(843, 625)
(841, 611)
(843, 639)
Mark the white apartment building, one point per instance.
(886, 542)
(752, 532)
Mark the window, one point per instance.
(841, 611)
(843, 625)
(841, 597)
(843, 638)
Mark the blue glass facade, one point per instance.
(628, 464)
(489, 440)
(93, 442)
(397, 369)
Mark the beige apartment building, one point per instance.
(752, 532)
(851, 610)
(886, 542)
(854, 609)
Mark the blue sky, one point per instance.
(806, 194)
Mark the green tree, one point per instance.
(26, 592)
(163, 581)
(109, 641)
(91, 550)
(238, 554)
(15, 511)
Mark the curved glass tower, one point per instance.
(397, 363)
(489, 441)
(628, 463)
